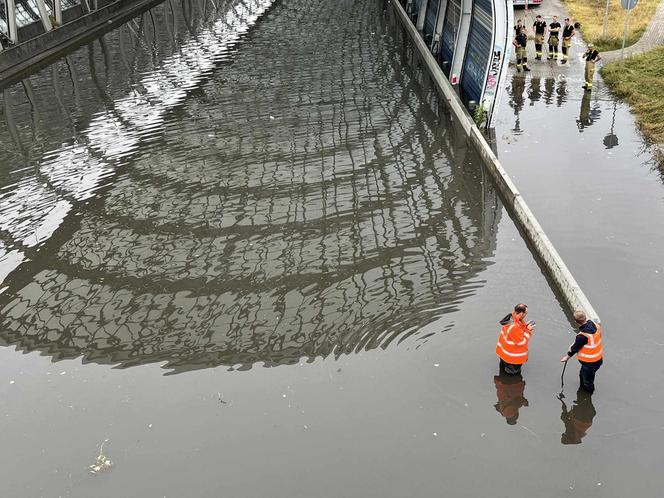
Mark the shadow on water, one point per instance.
(304, 201)
(578, 419)
(509, 390)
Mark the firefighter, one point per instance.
(554, 32)
(513, 339)
(588, 349)
(520, 27)
(520, 41)
(568, 34)
(540, 30)
(591, 57)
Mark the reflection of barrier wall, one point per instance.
(51, 44)
(540, 244)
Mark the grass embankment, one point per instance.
(590, 13)
(639, 80)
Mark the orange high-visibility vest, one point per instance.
(512, 346)
(593, 351)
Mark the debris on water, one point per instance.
(64, 372)
(436, 364)
(221, 400)
(102, 462)
(483, 434)
(283, 395)
(12, 381)
(306, 426)
(149, 426)
(271, 116)
(435, 434)
(599, 483)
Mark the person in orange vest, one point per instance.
(512, 346)
(588, 350)
(509, 390)
(579, 419)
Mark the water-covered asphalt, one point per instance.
(268, 204)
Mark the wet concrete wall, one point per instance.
(555, 268)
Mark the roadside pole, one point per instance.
(628, 5)
(606, 19)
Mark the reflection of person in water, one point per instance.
(584, 114)
(588, 114)
(549, 86)
(579, 419)
(561, 91)
(516, 98)
(509, 389)
(534, 92)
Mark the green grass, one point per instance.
(590, 13)
(639, 80)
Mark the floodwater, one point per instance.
(242, 242)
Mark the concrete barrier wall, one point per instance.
(28, 56)
(567, 287)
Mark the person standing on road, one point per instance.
(568, 34)
(588, 350)
(540, 30)
(554, 33)
(591, 57)
(520, 41)
(512, 346)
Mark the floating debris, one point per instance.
(102, 462)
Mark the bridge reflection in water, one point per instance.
(309, 199)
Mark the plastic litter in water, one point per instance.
(102, 462)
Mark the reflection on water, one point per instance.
(534, 90)
(515, 91)
(611, 139)
(589, 113)
(561, 92)
(304, 201)
(579, 419)
(509, 390)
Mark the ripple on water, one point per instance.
(303, 201)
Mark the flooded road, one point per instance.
(242, 242)
(285, 209)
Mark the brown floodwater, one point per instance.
(244, 243)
